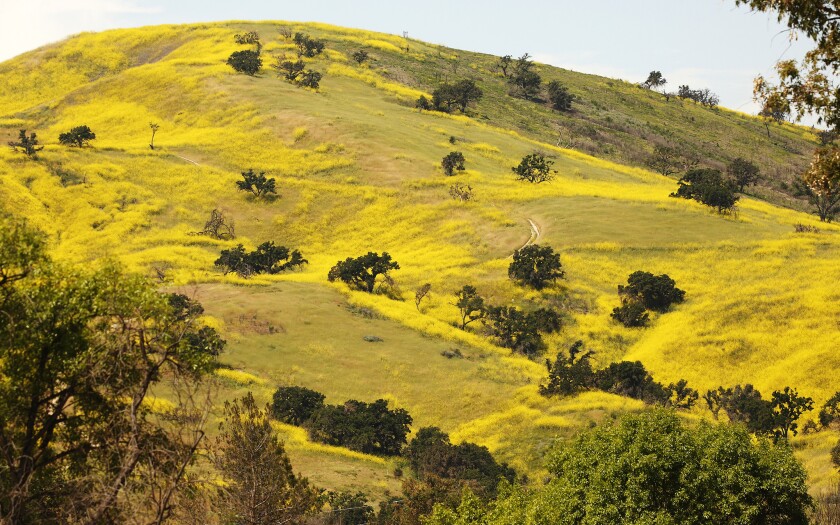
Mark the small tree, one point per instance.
(461, 192)
(631, 313)
(515, 329)
(503, 64)
(466, 92)
(830, 412)
(525, 81)
(423, 103)
(295, 404)
(289, 69)
(421, 293)
(454, 160)
(536, 266)
(154, 127)
(745, 405)
(709, 187)
(219, 226)
(360, 56)
(559, 96)
(310, 79)
(823, 180)
(788, 406)
(742, 173)
(267, 258)
(370, 428)
(29, 144)
(361, 272)
(256, 183)
(260, 486)
(664, 160)
(470, 305)
(569, 375)
(245, 61)
(307, 46)
(534, 168)
(655, 80)
(78, 136)
(654, 292)
(681, 395)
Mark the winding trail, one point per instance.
(535, 235)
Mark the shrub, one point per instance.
(246, 61)
(307, 46)
(219, 226)
(423, 103)
(454, 160)
(461, 192)
(742, 173)
(78, 136)
(250, 37)
(310, 79)
(520, 331)
(534, 168)
(631, 314)
(536, 266)
(368, 428)
(360, 56)
(361, 272)
(631, 379)
(289, 69)
(295, 404)
(654, 292)
(256, 183)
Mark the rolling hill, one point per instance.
(358, 169)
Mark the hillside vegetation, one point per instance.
(357, 169)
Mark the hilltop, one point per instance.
(358, 169)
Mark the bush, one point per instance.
(534, 168)
(742, 173)
(246, 61)
(310, 79)
(423, 103)
(631, 314)
(536, 266)
(452, 161)
(361, 272)
(78, 136)
(307, 46)
(295, 404)
(520, 331)
(654, 292)
(256, 183)
(368, 428)
(360, 56)
(289, 69)
(267, 258)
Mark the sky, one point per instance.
(702, 43)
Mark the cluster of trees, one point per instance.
(247, 61)
(708, 186)
(295, 71)
(526, 83)
(573, 373)
(267, 258)
(78, 136)
(652, 467)
(775, 417)
(702, 96)
(450, 96)
(645, 291)
(361, 273)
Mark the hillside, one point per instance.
(358, 169)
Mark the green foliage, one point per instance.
(788, 406)
(256, 183)
(310, 79)
(742, 173)
(260, 487)
(470, 305)
(709, 187)
(745, 405)
(29, 144)
(80, 353)
(307, 46)
(520, 331)
(349, 508)
(360, 56)
(559, 96)
(459, 95)
(823, 181)
(523, 79)
(681, 395)
(570, 375)
(361, 272)
(536, 266)
(830, 411)
(245, 61)
(267, 258)
(631, 379)
(453, 160)
(654, 292)
(289, 69)
(703, 97)
(631, 313)
(423, 103)
(432, 456)
(503, 64)
(78, 136)
(366, 427)
(651, 468)
(247, 38)
(835, 454)
(295, 404)
(654, 80)
(534, 168)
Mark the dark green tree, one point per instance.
(360, 56)
(536, 266)
(681, 395)
(745, 405)
(245, 61)
(652, 468)
(78, 136)
(708, 186)
(534, 168)
(423, 103)
(631, 313)
(257, 183)
(307, 46)
(569, 375)
(295, 404)
(631, 379)
(28, 143)
(654, 292)
(234, 260)
(504, 63)
(470, 305)
(267, 258)
(512, 328)
(289, 69)
(525, 81)
(365, 427)
(559, 96)
(665, 160)
(260, 486)
(830, 412)
(310, 79)
(349, 508)
(454, 160)
(788, 406)
(655, 80)
(465, 93)
(361, 272)
(743, 173)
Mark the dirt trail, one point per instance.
(188, 160)
(535, 234)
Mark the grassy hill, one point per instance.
(358, 169)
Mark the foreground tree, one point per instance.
(260, 486)
(28, 143)
(78, 136)
(653, 468)
(534, 168)
(536, 266)
(82, 353)
(361, 272)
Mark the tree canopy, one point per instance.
(536, 266)
(361, 272)
(534, 168)
(77, 136)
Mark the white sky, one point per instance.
(702, 43)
